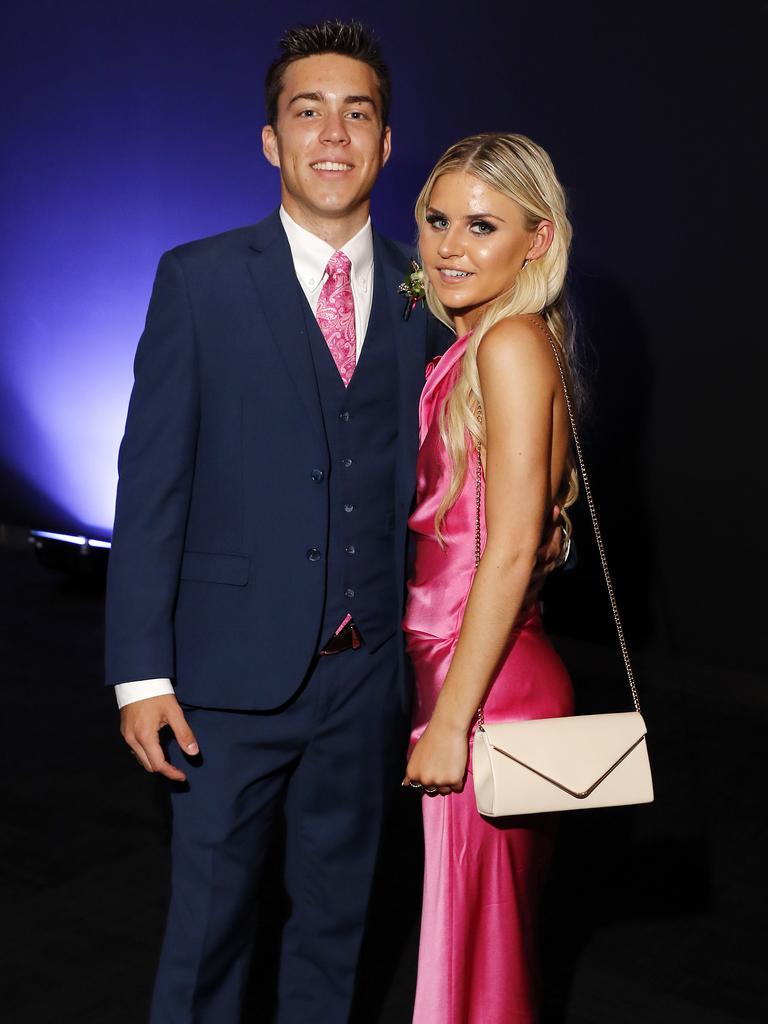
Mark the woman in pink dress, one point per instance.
(494, 239)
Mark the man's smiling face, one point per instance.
(329, 142)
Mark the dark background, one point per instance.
(130, 128)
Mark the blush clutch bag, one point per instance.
(561, 764)
(570, 763)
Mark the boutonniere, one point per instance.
(413, 288)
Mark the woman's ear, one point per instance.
(543, 237)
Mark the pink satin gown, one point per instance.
(478, 947)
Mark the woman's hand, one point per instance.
(439, 760)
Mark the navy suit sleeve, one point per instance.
(155, 464)
(439, 337)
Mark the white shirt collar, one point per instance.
(311, 254)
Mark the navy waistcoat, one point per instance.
(361, 426)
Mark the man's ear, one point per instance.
(269, 145)
(386, 145)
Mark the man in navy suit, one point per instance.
(258, 562)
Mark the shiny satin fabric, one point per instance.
(482, 881)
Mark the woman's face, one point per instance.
(473, 242)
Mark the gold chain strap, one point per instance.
(478, 502)
(592, 515)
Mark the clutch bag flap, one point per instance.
(561, 763)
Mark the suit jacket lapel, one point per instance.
(271, 268)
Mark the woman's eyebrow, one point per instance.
(484, 216)
(469, 216)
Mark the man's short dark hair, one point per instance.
(347, 38)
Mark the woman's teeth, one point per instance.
(454, 273)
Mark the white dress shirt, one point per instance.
(310, 256)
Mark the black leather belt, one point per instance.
(347, 639)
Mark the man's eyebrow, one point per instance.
(319, 97)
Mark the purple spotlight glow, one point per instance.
(67, 371)
(103, 181)
(127, 136)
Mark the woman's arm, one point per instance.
(519, 382)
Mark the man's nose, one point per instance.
(335, 129)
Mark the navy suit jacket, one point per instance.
(218, 502)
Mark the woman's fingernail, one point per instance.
(193, 748)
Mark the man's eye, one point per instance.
(437, 221)
(482, 227)
(307, 113)
(358, 115)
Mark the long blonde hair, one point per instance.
(522, 170)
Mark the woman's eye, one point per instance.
(482, 227)
(437, 221)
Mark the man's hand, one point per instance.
(140, 724)
(549, 556)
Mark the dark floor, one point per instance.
(654, 914)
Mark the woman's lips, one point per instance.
(453, 276)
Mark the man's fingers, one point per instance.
(140, 756)
(154, 754)
(140, 725)
(549, 554)
(184, 735)
(553, 544)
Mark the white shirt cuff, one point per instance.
(128, 693)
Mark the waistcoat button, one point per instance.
(344, 416)
(313, 555)
(350, 549)
(349, 507)
(346, 463)
(349, 592)
(318, 475)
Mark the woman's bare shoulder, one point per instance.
(518, 343)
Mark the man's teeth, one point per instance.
(454, 273)
(330, 165)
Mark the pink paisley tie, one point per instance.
(336, 315)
